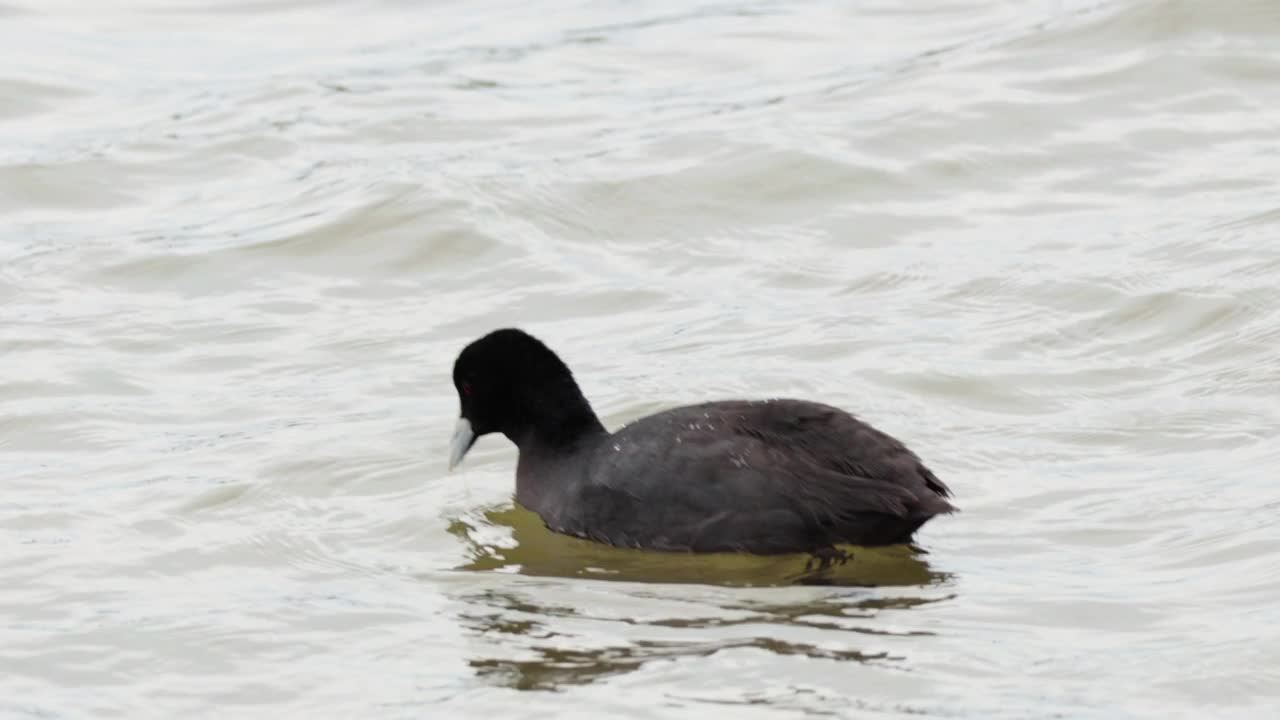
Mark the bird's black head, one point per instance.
(509, 382)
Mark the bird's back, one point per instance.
(761, 476)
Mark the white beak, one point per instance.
(463, 438)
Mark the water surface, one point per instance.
(241, 244)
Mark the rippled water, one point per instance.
(241, 243)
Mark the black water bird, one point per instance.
(756, 476)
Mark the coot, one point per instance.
(756, 476)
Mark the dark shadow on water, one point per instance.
(529, 548)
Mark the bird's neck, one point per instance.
(547, 449)
(554, 423)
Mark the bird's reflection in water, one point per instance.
(536, 646)
(556, 667)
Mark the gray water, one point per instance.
(241, 244)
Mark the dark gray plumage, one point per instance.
(766, 477)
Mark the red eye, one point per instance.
(466, 389)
